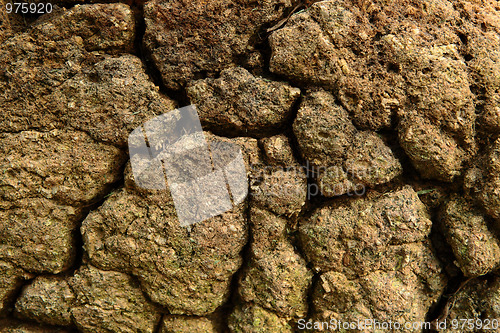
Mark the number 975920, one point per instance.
(31, 8)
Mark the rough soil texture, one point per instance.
(189, 40)
(374, 258)
(92, 299)
(254, 106)
(369, 133)
(475, 301)
(474, 245)
(343, 157)
(179, 324)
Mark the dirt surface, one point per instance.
(369, 136)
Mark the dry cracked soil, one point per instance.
(369, 131)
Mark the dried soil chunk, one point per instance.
(276, 277)
(475, 247)
(370, 161)
(254, 319)
(188, 270)
(103, 27)
(441, 111)
(433, 152)
(92, 299)
(397, 296)
(30, 73)
(240, 103)
(360, 231)
(491, 116)
(37, 235)
(109, 100)
(278, 151)
(63, 166)
(181, 324)
(279, 190)
(438, 85)
(305, 50)
(11, 279)
(110, 302)
(323, 129)
(333, 44)
(344, 159)
(378, 261)
(47, 300)
(187, 40)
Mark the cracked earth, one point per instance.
(369, 133)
